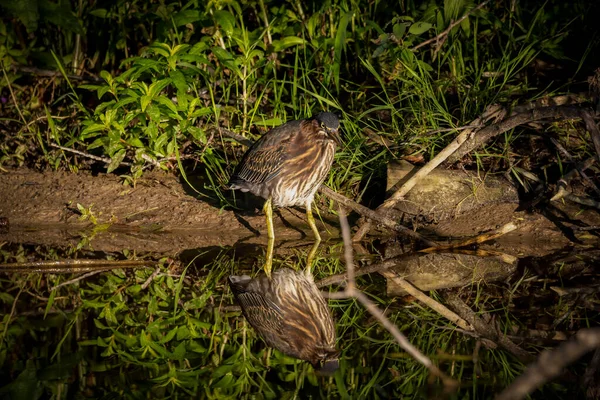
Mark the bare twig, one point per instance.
(586, 201)
(551, 363)
(442, 36)
(12, 313)
(371, 269)
(151, 278)
(12, 95)
(105, 160)
(583, 175)
(564, 181)
(237, 137)
(485, 330)
(79, 278)
(592, 128)
(552, 113)
(367, 212)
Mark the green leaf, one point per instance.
(50, 301)
(60, 15)
(99, 12)
(226, 20)
(340, 44)
(186, 17)
(169, 104)
(179, 81)
(419, 28)
(226, 59)
(287, 42)
(400, 29)
(25, 10)
(115, 161)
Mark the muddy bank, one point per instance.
(157, 215)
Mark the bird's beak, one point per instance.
(328, 368)
(335, 135)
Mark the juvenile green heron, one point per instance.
(290, 314)
(286, 166)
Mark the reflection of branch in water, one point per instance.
(396, 261)
(352, 292)
(550, 364)
(475, 240)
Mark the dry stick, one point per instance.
(564, 181)
(12, 94)
(382, 266)
(394, 262)
(367, 212)
(151, 278)
(354, 206)
(87, 155)
(79, 278)
(10, 316)
(71, 266)
(553, 113)
(352, 291)
(431, 303)
(509, 227)
(424, 171)
(550, 364)
(452, 25)
(591, 126)
(569, 157)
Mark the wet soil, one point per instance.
(160, 214)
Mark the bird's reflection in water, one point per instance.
(290, 314)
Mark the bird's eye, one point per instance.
(323, 125)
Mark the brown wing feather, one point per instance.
(265, 158)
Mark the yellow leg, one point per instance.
(268, 209)
(313, 226)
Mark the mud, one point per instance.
(160, 214)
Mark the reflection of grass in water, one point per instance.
(181, 335)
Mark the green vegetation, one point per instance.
(147, 84)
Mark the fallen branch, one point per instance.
(581, 171)
(73, 266)
(564, 181)
(550, 364)
(492, 112)
(150, 278)
(592, 128)
(105, 160)
(552, 113)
